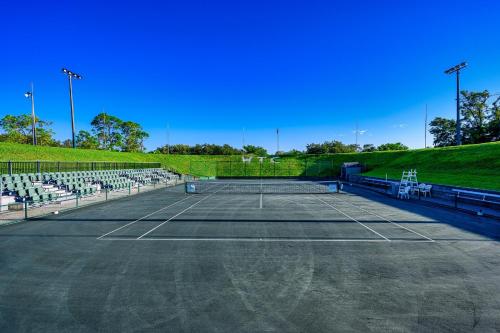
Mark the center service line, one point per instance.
(140, 237)
(352, 218)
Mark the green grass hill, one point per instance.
(475, 166)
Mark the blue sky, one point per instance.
(211, 68)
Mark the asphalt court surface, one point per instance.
(167, 261)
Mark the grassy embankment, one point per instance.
(476, 166)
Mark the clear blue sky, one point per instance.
(211, 68)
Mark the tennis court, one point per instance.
(252, 256)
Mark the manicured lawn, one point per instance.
(476, 166)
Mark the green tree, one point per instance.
(66, 143)
(392, 146)
(86, 140)
(107, 129)
(17, 128)
(493, 127)
(255, 150)
(315, 148)
(443, 131)
(132, 136)
(368, 148)
(180, 149)
(474, 113)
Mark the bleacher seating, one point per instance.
(51, 186)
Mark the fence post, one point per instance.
(9, 167)
(37, 166)
(305, 171)
(77, 195)
(58, 166)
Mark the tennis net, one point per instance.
(258, 187)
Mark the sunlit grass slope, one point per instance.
(476, 166)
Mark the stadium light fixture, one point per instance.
(457, 69)
(31, 96)
(72, 75)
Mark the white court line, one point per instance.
(379, 216)
(292, 240)
(148, 232)
(156, 211)
(352, 218)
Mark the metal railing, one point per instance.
(16, 167)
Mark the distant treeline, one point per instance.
(328, 147)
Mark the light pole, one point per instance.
(71, 76)
(456, 69)
(31, 96)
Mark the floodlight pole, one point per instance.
(31, 96)
(456, 69)
(458, 128)
(71, 75)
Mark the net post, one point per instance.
(106, 191)
(77, 195)
(129, 188)
(338, 186)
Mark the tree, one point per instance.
(444, 131)
(180, 149)
(315, 148)
(293, 152)
(368, 148)
(107, 130)
(17, 128)
(132, 136)
(392, 146)
(493, 127)
(86, 140)
(331, 147)
(66, 143)
(473, 110)
(255, 150)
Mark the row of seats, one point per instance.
(51, 186)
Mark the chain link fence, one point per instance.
(306, 167)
